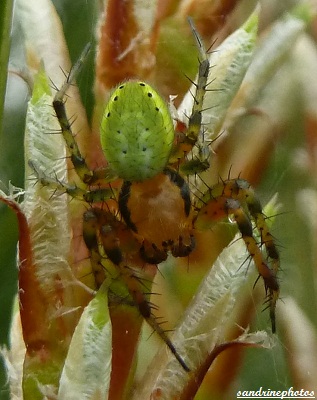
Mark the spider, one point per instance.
(153, 214)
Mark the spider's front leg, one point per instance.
(87, 177)
(108, 239)
(187, 139)
(236, 198)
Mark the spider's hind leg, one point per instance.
(236, 198)
(115, 256)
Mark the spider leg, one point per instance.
(185, 141)
(107, 237)
(59, 107)
(236, 198)
(90, 196)
(195, 119)
(85, 174)
(198, 162)
(90, 229)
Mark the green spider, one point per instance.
(154, 214)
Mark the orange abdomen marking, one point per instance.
(158, 209)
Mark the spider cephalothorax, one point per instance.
(154, 215)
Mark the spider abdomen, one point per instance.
(158, 210)
(137, 131)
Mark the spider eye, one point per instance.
(137, 131)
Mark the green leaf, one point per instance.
(86, 374)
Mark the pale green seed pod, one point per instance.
(137, 131)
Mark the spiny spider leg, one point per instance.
(189, 142)
(194, 124)
(237, 198)
(90, 196)
(85, 174)
(77, 159)
(103, 232)
(185, 141)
